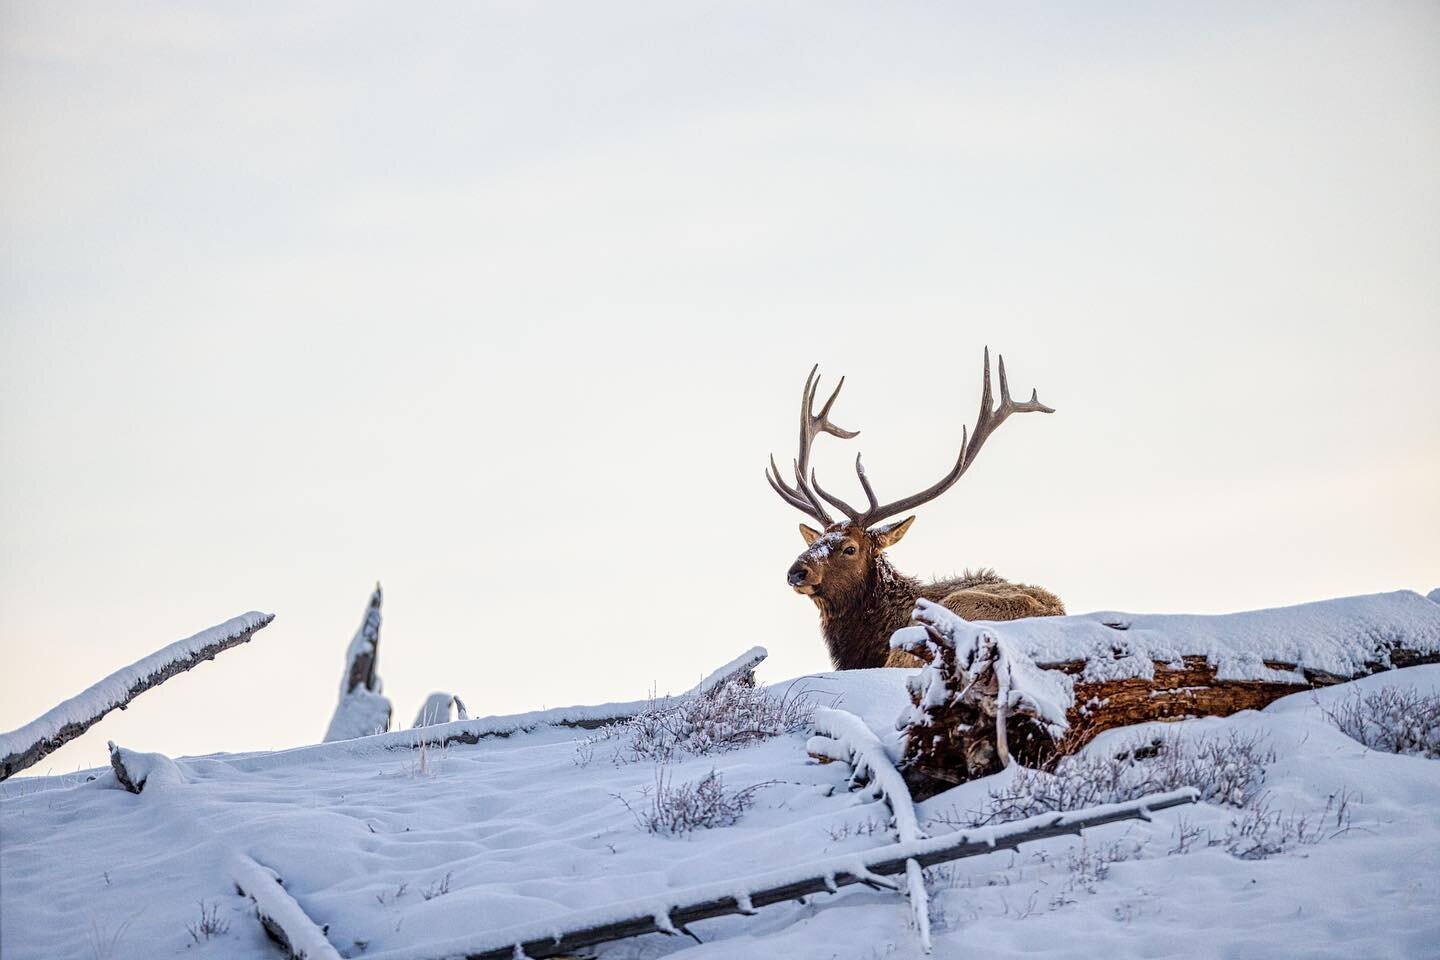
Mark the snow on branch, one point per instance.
(362, 709)
(676, 909)
(1041, 688)
(845, 737)
(484, 728)
(64, 722)
(283, 919)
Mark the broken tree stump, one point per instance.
(1035, 690)
(363, 710)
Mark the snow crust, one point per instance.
(521, 834)
(108, 694)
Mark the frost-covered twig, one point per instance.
(843, 736)
(675, 910)
(28, 745)
(283, 919)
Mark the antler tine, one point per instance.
(865, 482)
(785, 492)
(986, 423)
(833, 500)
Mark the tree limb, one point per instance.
(26, 746)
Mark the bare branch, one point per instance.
(26, 746)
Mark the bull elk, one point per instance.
(861, 597)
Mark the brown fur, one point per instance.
(863, 599)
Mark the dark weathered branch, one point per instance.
(560, 936)
(283, 919)
(28, 745)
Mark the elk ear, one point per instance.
(810, 534)
(890, 534)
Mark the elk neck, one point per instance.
(857, 628)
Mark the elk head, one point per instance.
(842, 558)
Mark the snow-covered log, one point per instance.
(28, 745)
(283, 919)
(1042, 688)
(484, 728)
(134, 771)
(842, 736)
(363, 710)
(674, 911)
(440, 708)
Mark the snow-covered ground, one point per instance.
(399, 850)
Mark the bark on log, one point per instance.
(981, 701)
(31, 743)
(284, 920)
(683, 907)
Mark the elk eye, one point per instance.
(850, 550)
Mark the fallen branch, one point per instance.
(283, 919)
(1040, 689)
(26, 746)
(845, 737)
(484, 728)
(672, 913)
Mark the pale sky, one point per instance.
(506, 304)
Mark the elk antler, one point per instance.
(987, 422)
(802, 495)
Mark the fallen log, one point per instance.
(1036, 690)
(284, 920)
(842, 736)
(673, 912)
(64, 722)
(484, 728)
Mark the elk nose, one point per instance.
(797, 575)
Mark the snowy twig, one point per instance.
(28, 745)
(844, 736)
(678, 909)
(283, 919)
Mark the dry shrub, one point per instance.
(705, 803)
(1391, 720)
(1226, 770)
(732, 715)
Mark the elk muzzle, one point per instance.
(799, 578)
